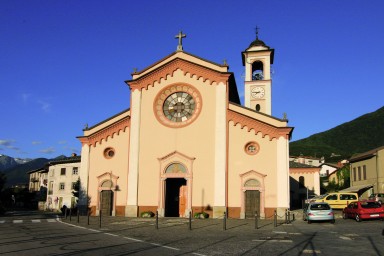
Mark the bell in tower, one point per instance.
(257, 59)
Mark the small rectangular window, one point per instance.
(359, 172)
(62, 186)
(354, 173)
(75, 171)
(364, 172)
(62, 171)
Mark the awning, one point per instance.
(356, 189)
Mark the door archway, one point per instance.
(175, 188)
(174, 197)
(252, 196)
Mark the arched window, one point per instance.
(257, 70)
(252, 183)
(301, 181)
(107, 184)
(176, 168)
(257, 108)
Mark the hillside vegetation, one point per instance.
(357, 136)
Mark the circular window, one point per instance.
(109, 153)
(252, 148)
(177, 105)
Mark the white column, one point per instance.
(84, 175)
(220, 151)
(134, 149)
(282, 173)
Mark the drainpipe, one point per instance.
(377, 172)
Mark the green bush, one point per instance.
(200, 215)
(147, 214)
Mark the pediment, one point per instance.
(189, 64)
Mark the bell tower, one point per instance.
(257, 59)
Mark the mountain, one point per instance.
(7, 162)
(18, 174)
(357, 136)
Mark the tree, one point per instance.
(76, 189)
(82, 199)
(3, 180)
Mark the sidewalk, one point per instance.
(148, 229)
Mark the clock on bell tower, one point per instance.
(257, 59)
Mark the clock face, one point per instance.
(177, 105)
(257, 92)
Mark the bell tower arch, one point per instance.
(257, 59)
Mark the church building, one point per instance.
(187, 145)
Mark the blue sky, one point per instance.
(63, 63)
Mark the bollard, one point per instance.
(286, 216)
(289, 216)
(70, 214)
(100, 219)
(275, 218)
(256, 221)
(225, 221)
(65, 213)
(78, 215)
(293, 217)
(157, 220)
(88, 213)
(190, 220)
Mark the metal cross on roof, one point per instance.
(257, 32)
(180, 36)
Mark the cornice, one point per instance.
(188, 68)
(257, 126)
(103, 134)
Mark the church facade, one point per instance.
(187, 145)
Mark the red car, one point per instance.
(364, 210)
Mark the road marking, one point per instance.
(280, 232)
(168, 247)
(311, 251)
(2, 221)
(51, 220)
(133, 239)
(18, 221)
(94, 230)
(273, 240)
(164, 246)
(195, 253)
(110, 234)
(345, 238)
(36, 221)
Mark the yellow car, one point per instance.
(338, 200)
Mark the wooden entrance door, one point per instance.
(182, 200)
(252, 203)
(106, 202)
(172, 196)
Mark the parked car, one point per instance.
(339, 200)
(363, 210)
(379, 197)
(313, 198)
(318, 212)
